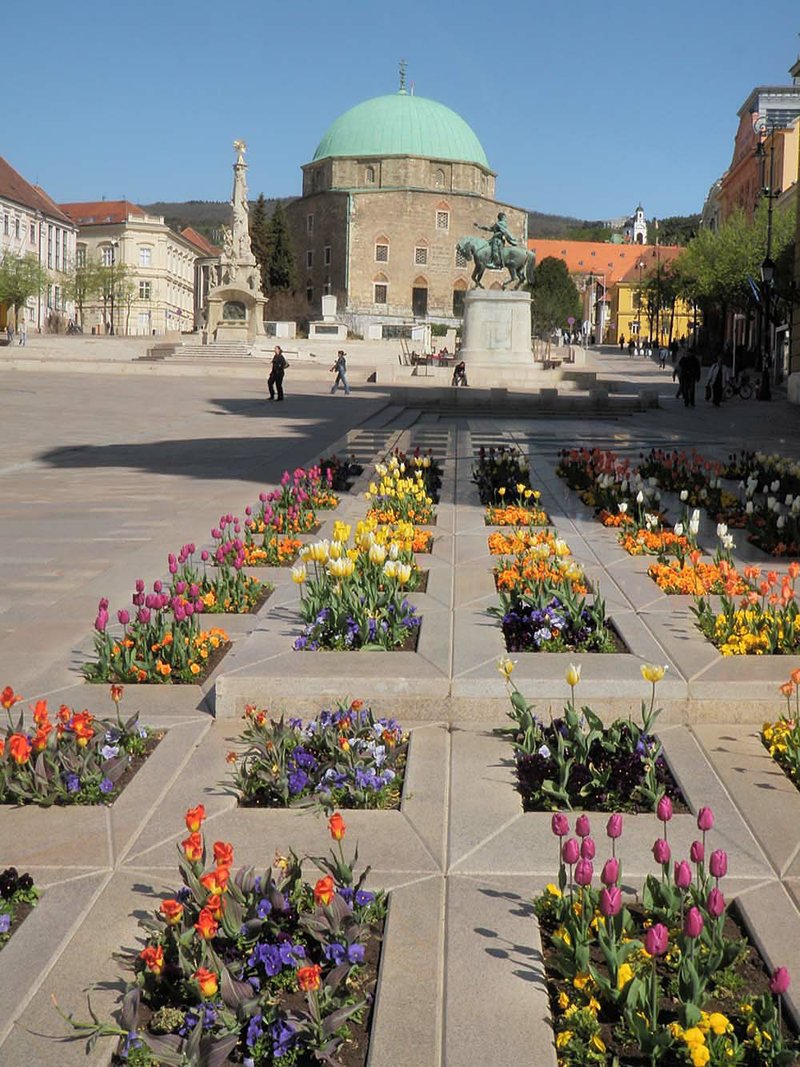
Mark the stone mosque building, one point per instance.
(393, 185)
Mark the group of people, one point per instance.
(22, 332)
(688, 373)
(278, 369)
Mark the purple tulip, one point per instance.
(157, 585)
(143, 616)
(610, 901)
(715, 905)
(661, 852)
(693, 923)
(582, 827)
(610, 873)
(718, 863)
(705, 820)
(137, 600)
(188, 608)
(102, 604)
(171, 558)
(559, 824)
(123, 616)
(216, 534)
(584, 872)
(697, 853)
(204, 556)
(199, 607)
(180, 588)
(656, 940)
(683, 875)
(180, 614)
(587, 848)
(664, 809)
(614, 826)
(101, 621)
(173, 568)
(139, 585)
(570, 851)
(248, 510)
(780, 981)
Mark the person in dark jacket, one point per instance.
(275, 380)
(688, 376)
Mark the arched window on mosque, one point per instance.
(439, 178)
(369, 176)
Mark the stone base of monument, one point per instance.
(497, 330)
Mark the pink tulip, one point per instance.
(123, 616)
(157, 586)
(705, 819)
(661, 851)
(610, 873)
(715, 905)
(570, 851)
(718, 863)
(656, 940)
(102, 604)
(584, 872)
(664, 809)
(697, 853)
(101, 621)
(139, 585)
(614, 826)
(693, 923)
(143, 616)
(683, 875)
(204, 556)
(780, 981)
(610, 901)
(559, 824)
(582, 827)
(587, 848)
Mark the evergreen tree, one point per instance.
(281, 267)
(259, 239)
(555, 297)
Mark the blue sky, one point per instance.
(583, 108)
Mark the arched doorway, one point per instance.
(419, 298)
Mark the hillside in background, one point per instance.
(208, 216)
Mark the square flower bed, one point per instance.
(516, 514)
(344, 758)
(765, 622)
(669, 979)
(400, 495)
(76, 759)
(574, 761)
(340, 472)
(551, 618)
(18, 897)
(502, 476)
(256, 969)
(782, 737)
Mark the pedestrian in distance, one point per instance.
(340, 368)
(716, 382)
(622, 342)
(22, 332)
(688, 370)
(459, 374)
(275, 380)
(10, 332)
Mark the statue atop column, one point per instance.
(242, 251)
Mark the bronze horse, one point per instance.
(519, 262)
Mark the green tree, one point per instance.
(260, 239)
(716, 267)
(675, 230)
(555, 297)
(281, 265)
(86, 284)
(20, 278)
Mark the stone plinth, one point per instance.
(497, 329)
(327, 331)
(236, 313)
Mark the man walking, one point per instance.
(688, 376)
(340, 366)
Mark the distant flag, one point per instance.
(754, 287)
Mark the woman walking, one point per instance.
(340, 367)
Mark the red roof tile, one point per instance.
(15, 188)
(102, 212)
(615, 261)
(200, 242)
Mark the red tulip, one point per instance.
(559, 824)
(715, 905)
(610, 901)
(705, 819)
(780, 981)
(614, 826)
(718, 864)
(610, 873)
(661, 851)
(693, 923)
(683, 875)
(656, 940)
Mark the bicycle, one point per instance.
(738, 386)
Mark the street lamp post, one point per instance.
(114, 247)
(640, 268)
(768, 191)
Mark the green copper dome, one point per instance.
(402, 125)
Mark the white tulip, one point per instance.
(781, 522)
(722, 529)
(623, 507)
(684, 495)
(679, 529)
(749, 507)
(640, 497)
(775, 486)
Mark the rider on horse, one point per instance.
(500, 235)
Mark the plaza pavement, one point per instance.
(103, 473)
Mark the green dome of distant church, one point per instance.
(401, 124)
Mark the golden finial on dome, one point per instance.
(403, 65)
(240, 146)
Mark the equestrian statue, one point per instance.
(501, 252)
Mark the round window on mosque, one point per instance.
(234, 311)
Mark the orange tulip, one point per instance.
(325, 890)
(308, 978)
(795, 676)
(193, 848)
(206, 925)
(787, 689)
(337, 827)
(20, 748)
(81, 726)
(116, 693)
(8, 698)
(794, 569)
(40, 713)
(40, 737)
(172, 910)
(195, 817)
(216, 882)
(223, 853)
(153, 957)
(208, 982)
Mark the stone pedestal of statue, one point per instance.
(496, 336)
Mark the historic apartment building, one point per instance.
(33, 224)
(156, 292)
(393, 184)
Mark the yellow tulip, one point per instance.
(501, 491)
(573, 675)
(506, 666)
(377, 554)
(403, 572)
(652, 673)
(299, 573)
